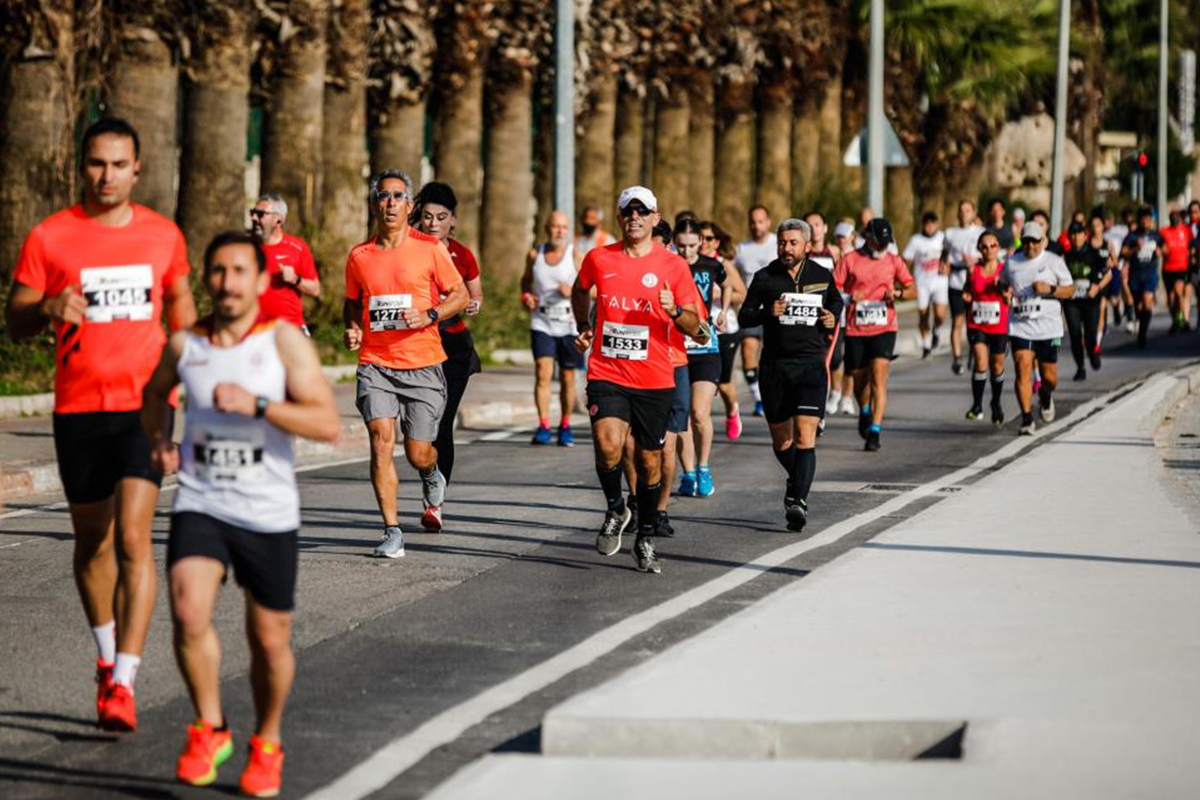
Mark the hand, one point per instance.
(529, 301)
(416, 318)
(722, 320)
(1041, 288)
(1093, 290)
(778, 307)
(584, 340)
(565, 289)
(944, 268)
(288, 275)
(828, 319)
(858, 296)
(68, 307)
(473, 307)
(229, 398)
(889, 294)
(352, 338)
(164, 456)
(666, 298)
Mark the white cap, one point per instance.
(640, 193)
(1033, 231)
(1018, 213)
(843, 229)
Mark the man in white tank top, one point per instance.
(550, 272)
(250, 388)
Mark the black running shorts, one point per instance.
(793, 388)
(958, 306)
(1045, 350)
(645, 410)
(264, 564)
(997, 343)
(862, 350)
(705, 368)
(97, 449)
(728, 342)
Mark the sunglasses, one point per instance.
(989, 246)
(628, 211)
(710, 238)
(258, 213)
(391, 195)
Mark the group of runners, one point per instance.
(657, 314)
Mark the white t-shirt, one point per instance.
(753, 256)
(962, 252)
(925, 252)
(1115, 236)
(1031, 317)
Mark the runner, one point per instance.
(987, 327)
(550, 271)
(923, 254)
(795, 300)
(752, 255)
(641, 291)
(1143, 249)
(998, 226)
(289, 263)
(393, 282)
(105, 273)
(1111, 296)
(251, 386)
(874, 279)
(827, 255)
(717, 244)
(1018, 222)
(1038, 279)
(960, 255)
(1177, 239)
(1088, 262)
(591, 231)
(434, 213)
(840, 378)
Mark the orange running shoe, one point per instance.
(431, 520)
(263, 776)
(207, 748)
(119, 711)
(104, 673)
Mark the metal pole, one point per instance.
(875, 121)
(1161, 173)
(564, 108)
(1060, 118)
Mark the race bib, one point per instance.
(930, 265)
(559, 312)
(116, 293)
(630, 342)
(1081, 288)
(985, 312)
(386, 311)
(803, 309)
(695, 348)
(229, 456)
(870, 313)
(1029, 308)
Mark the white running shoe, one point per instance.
(849, 407)
(831, 405)
(1048, 412)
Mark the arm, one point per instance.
(352, 319)
(309, 286)
(157, 411)
(907, 290)
(686, 317)
(753, 311)
(178, 306)
(581, 306)
(737, 286)
(455, 301)
(527, 298)
(28, 310)
(475, 297)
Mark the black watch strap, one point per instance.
(260, 406)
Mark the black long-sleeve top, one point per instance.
(797, 340)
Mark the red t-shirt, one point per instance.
(1177, 238)
(104, 363)
(859, 274)
(632, 344)
(282, 300)
(989, 310)
(468, 268)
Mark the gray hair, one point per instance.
(393, 173)
(793, 224)
(278, 204)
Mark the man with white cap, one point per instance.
(1038, 279)
(641, 292)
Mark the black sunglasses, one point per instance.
(258, 212)
(391, 195)
(628, 211)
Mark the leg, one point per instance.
(1091, 332)
(384, 480)
(420, 455)
(1075, 330)
(95, 561)
(979, 368)
(862, 387)
(702, 398)
(750, 350)
(628, 464)
(609, 435)
(195, 582)
(138, 583)
(1024, 381)
(566, 394)
(687, 446)
(272, 665)
(544, 375)
(957, 324)
(939, 315)
(667, 468)
(879, 376)
(648, 465)
(806, 455)
(456, 387)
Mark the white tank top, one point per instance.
(236, 468)
(553, 314)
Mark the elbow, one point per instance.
(331, 430)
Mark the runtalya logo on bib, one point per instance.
(649, 280)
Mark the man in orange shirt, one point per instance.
(293, 275)
(393, 282)
(104, 273)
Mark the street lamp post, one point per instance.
(1161, 169)
(875, 122)
(564, 107)
(1060, 118)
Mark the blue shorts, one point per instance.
(1114, 286)
(681, 402)
(1143, 281)
(560, 348)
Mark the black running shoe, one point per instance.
(1094, 358)
(797, 516)
(1080, 374)
(662, 526)
(872, 445)
(789, 494)
(997, 416)
(957, 366)
(974, 413)
(645, 557)
(608, 541)
(864, 424)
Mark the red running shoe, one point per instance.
(263, 776)
(119, 711)
(431, 520)
(207, 748)
(104, 673)
(733, 426)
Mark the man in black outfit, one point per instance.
(798, 305)
(1088, 261)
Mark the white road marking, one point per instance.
(499, 436)
(401, 753)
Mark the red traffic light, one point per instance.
(1142, 160)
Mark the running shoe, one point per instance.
(1130, 326)
(608, 541)
(687, 485)
(644, 556)
(956, 366)
(789, 494)
(120, 713)
(541, 436)
(1037, 385)
(733, 426)
(206, 749)
(566, 437)
(864, 425)
(849, 407)
(104, 675)
(704, 483)
(263, 776)
(974, 413)
(1080, 375)
(1094, 359)
(662, 526)
(758, 408)
(392, 545)
(872, 444)
(797, 516)
(831, 405)
(433, 487)
(1027, 427)
(821, 427)
(431, 520)
(997, 416)
(1048, 411)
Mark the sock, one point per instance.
(997, 388)
(647, 500)
(927, 342)
(125, 673)
(1044, 395)
(566, 421)
(610, 483)
(865, 409)
(787, 460)
(752, 380)
(543, 422)
(978, 381)
(1143, 326)
(805, 469)
(876, 427)
(1026, 417)
(106, 641)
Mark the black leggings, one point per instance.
(1083, 322)
(461, 363)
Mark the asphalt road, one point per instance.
(406, 652)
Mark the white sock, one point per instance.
(125, 673)
(755, 392)
(106, 641)
(927, 341)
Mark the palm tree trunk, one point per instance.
(830, 121)
(898, 202)
(398, 140)
(672, 159)
(36, 129)
(212, 186)
(508, 176)
(773, 187)
(543, 162)
(458, 149)
(630, 128)
(735, 149)
(344, 138)
(292, 158)
(594, 162)
(650, 113)
(806, 151)
(701, 144)
(143, 87)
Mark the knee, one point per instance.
(272, 643)
(383, 439)
(191, 618)
(420, 455)
(136, 547)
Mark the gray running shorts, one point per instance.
(415, 397)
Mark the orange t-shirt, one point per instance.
(104, 363)
(414, 274)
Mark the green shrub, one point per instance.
(25, 367)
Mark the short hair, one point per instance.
(793, 224)
(393, 173)
(662, 230)
(1193, 204)
(226, 238)
(929, 216)
(818, 215)
(996, 200)
(1040, 212)
(1145, 211)
(966, 201)
(110, 125)
(278, 204)
(685, 214)
(758, 207)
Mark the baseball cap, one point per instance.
(879, 230)
(843, 229)
(1076, 227)
(1032, 231)
(1018, 213)
(639, 193)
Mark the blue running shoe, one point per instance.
(687, 485)
(565, 437)
(704, 483)
(758, 409)
(541, 436)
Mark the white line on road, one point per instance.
(401, 753)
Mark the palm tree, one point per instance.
(602, 36)
(212, 186)
(344, 138)
(402, 46)
(736, 73)
(702, 144)
(37, 82)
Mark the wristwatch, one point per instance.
(678, 313)
(260, 406)
(433, 316)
